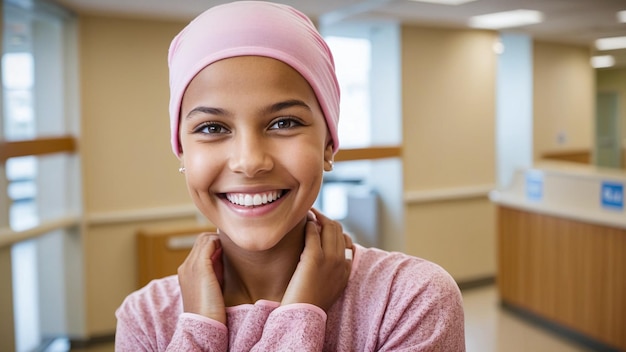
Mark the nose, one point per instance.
(249, 155)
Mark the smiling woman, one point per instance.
(254, 110)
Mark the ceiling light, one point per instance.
(506, 19)
(602, 61)
(445, 2)
(611, 43)
(621, 16)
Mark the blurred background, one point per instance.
(447, 107)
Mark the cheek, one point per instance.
(201, 169)
(306, 164)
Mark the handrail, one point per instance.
(142, 214)
(445, 194)
(369, 153)
(37, 146)
(9, 237)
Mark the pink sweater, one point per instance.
(393, 302)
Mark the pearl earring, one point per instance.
(181, 170)
(331, 164)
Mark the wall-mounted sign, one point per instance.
(534, 186)
(612, 195)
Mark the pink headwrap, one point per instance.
(253, 28)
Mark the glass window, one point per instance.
(37, 58)
(17, 78)
(352, 65)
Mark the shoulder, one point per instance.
(374, 263)
(407, 278)
(417, 302)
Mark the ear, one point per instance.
(328, 155)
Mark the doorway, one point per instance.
(608, 148)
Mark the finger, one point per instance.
(312, 237)
(348, 240)
(321, 218)
(333, 241)
(204, 247)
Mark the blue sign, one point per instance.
(534, 186)
(612, 195)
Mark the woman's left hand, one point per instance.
(323, 271)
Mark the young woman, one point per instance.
(254, 109)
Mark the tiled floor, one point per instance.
(488, 329)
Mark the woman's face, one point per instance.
(255, 145)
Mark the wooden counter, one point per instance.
(562, 251)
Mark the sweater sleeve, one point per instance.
(151, 319)
(197, 333)
(294, 327)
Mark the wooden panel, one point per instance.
(368, 153)
(160, 253)
(569, 272)
(37, 146)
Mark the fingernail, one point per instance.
(348, 253)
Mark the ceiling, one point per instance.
(566, 21)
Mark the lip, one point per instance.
(254, 211)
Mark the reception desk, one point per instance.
(562, 251)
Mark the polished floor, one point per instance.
(488, 328)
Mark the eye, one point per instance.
(211, 128)
(285, 123)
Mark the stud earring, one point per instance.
(181, 170)
(331, 165)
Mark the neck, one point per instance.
(252, 276)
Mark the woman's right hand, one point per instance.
(198, 279)
(323, 270)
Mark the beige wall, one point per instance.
(126, 158)
(125, 131)
(563, 98)
(448, 101)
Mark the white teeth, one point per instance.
(250, 200)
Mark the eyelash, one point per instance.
(220, 129)
(209, 125)
(291, 120)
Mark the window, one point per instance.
(39, 190)
(352, 64)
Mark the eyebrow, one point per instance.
(206, 110)
(271, 109)
(287, 104)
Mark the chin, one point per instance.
(253, 240)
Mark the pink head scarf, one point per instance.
(256, 28)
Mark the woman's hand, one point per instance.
(199, 281)
(323, 271)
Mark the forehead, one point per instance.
(250, 71)
(247, 85)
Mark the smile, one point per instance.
(253, 200)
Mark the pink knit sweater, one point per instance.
(393, 302)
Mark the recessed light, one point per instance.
(445, 2)
(602, 61)
(507, 19)
(621, 16)
(612, 43)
